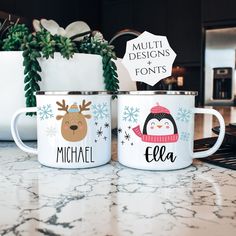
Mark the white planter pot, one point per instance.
(82, 72)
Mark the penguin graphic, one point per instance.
(159, 127)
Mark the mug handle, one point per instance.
(221, 134)
(15, 133)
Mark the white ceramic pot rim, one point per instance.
(56, 93)
(157, 92)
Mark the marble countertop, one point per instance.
(113, 200)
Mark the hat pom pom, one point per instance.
(74, 108)
(159, 109)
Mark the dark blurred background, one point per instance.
(183, 22)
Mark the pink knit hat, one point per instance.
(159, 109)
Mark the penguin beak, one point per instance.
(159, 126)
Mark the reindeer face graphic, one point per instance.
(74, 124)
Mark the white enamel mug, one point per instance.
(156, 129)
(73, 129)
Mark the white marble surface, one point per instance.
(113, 199)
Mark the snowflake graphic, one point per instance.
(119, 130)
(45, 112)
(183, 115)
(51, 131)
(99, 132)
(130, 114)
(184, 136)
(106, 125)
(100, 111)
(127, 136)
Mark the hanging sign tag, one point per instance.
(149, 58)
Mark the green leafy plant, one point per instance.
(44, 44)
(102, 48)
(15, 36)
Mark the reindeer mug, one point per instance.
(73, 129)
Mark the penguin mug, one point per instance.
(156, 129)
(73, 129)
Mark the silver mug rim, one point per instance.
(56, 93)
(157, 92)
(133, 92)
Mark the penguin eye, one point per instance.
(153, 123)
(166, 123)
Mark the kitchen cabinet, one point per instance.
(184, 31)
(64, 12)
(219, 12)
(180, 21)
(151, 16)
(115, 16)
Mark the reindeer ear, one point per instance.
(59, 117)
(87, 116)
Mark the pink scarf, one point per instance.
(171, 138)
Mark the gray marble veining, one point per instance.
(113, 199)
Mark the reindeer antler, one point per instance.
(63, 106)
(84, 106)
